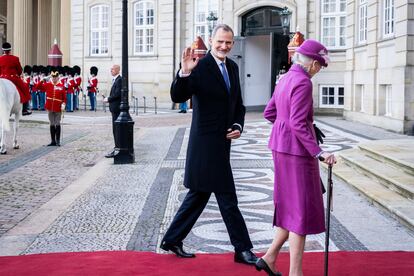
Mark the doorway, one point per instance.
(260, 52)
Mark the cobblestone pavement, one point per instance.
(70, 198)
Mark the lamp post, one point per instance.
(124, 125)
(211, 18)
(285, 17)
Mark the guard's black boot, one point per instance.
(25, 110)
(52, 136)
(58, 135)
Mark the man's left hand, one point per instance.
(233, 134)
(105, 99)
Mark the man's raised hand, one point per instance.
(188, 60)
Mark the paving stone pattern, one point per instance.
(131, 206)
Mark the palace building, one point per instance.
(369, 79)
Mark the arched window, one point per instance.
(144, 22)
(203, 8)
(99, 30)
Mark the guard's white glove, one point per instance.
(63, 106)
(105, 99)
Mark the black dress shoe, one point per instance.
(26, 112)
(261, 264)
(51, 144)
(110, 155)
(177, 249)
(245, 257)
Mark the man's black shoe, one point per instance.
(110, 155)
(245, 257)
(52, 144)
(26, 112)
(177, 249)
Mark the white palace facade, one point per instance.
(370, 78)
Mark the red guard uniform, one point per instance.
(27, 80)
(70, 83)
(93, 84)
(11, 69)
(78, 82)
(55, 95)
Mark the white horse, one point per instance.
(9, 104)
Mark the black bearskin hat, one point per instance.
(60, 69)
(66, 70)
(27, 69)
(77, 69)
(94, 70)
(46, 70)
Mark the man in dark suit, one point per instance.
(218, 117)
(114, 101)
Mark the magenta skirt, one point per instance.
(297, 194)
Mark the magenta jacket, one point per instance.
(291, 111)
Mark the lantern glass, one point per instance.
(285, 15)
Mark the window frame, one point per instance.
(388, 23)
(100, 30)
(337, 15)
(362, 21)
(145, 28)
(336, 96)
(208, 7)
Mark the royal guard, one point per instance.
(62, 74)
(27, 78)
(11, 69)
(35, 81)
(69, 85)
(78, 86)
(93, 86)
(55, 104)
(43, 73)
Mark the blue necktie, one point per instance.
(225, 76)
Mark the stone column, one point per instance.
(10, 21)
(55, 12)
(44, 41)
(22, 33)
(65, 34)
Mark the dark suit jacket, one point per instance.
(214, 111)
(114, 98)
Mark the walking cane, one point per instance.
(328, 216)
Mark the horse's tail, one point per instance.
(4, 115)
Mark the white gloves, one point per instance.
(63, 106)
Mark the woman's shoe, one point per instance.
(261, 264)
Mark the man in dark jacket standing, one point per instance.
(218, 117)
(114, 101)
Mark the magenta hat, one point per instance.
(315, 50)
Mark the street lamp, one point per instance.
(211, 22)
(124, 125)
(285, 17)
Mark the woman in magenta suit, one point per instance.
(297, 193)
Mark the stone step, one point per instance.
(397, 205)
(382, 172)
(398, 153)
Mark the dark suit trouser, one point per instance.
(192, 207)
(114, 117)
